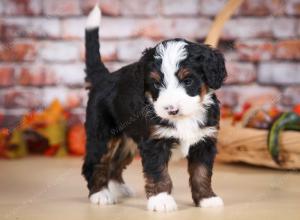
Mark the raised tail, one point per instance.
(95, 68)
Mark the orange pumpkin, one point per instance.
(76, 139)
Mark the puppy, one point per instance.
(162, 102)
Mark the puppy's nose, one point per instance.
(172, 110)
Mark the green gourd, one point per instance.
(286, 121)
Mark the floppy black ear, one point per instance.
(214, 68)
(146, 61)
(210, 63)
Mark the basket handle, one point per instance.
(219, 22)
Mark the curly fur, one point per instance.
(128, 103)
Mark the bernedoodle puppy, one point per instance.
(163, 102)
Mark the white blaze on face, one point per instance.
(171, 54)
(172, 93)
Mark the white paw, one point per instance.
(120, 189)
(211, 202)
(162, 202)
(103, 197)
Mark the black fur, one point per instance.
(118, 105)
(207, 62)
(155, 155)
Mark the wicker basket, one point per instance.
(239, 144)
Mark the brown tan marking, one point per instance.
(200, 182)
(123, 157)
(119, 155)
(101, 170)
(203, 91)
(163, 185)
(183, 73)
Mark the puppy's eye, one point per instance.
(157, 85)
(188, 82)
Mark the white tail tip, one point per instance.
(94, 18)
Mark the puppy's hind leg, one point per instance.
(123, 157)
(98, 154)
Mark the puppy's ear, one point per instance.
(147, 56)
(214, 69)
(146, 62)
(212, 65)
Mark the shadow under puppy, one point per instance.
(162, 102)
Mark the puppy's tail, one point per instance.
(95, 68)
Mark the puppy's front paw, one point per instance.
(103, 197)
(215, 201)
(162, 202)
(120, 189)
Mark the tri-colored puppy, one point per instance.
(164, 101)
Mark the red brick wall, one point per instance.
(41, 48)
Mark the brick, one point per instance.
(36, 75)
(156, 28)
(1, 7)
(31, 27)
(255, 50)
(279, 73)
(119, 27)
(160, 28)
(190, 28)
(7, 76)
(247, 28)
(21, 98)
(291, 96)
(257, 95)
(59, 51)
(111, 28)
(293, 7)
(298, 28)
(73, 28)
(240, 73)
(70, 98)
(108, 7)
(22, 7)
(261, 8)
(76, 98)
(1, 103)
(284, 27)
(108, 50)
(61, 7)
(140, 7)
(211, 7)
(289, 49)
(113, 66)
(42, 75)
(227, 97)
(50, 94)
(254, 94)
(176, 7)
(69, 74)
(132, 49)
(17, 51)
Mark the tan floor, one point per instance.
(39, 188)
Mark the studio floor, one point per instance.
(47, 188)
